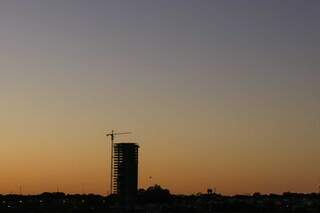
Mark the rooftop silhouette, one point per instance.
(158, 199)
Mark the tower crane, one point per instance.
(112, 136)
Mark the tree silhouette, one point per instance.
(154, 194)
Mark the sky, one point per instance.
(218, 94)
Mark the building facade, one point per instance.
(125, 172)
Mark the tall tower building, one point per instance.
(125, 171)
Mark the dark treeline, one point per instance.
(156, 199)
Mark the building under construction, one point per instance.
(125, 171)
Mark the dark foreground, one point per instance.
(162, 201)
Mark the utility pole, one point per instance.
(20, 189)
(82, 188)
(112, 135)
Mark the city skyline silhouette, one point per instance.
(218, 94)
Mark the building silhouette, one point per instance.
(125, 172)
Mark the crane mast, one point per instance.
(112, 136)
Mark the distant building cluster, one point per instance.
(126, 197)
(158, 200)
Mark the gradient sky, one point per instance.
(218, 93)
